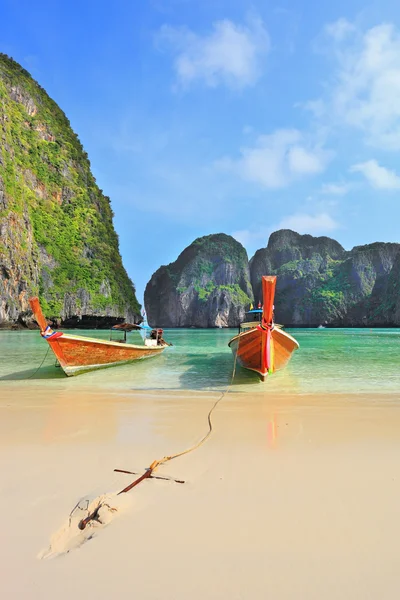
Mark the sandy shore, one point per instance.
(291, 497)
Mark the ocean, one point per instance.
(329, 361)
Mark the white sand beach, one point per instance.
(291, 496)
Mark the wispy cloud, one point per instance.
(257, 237)
(278, 159)
(252, 239)
(306, 223)
(340, 30)
(335, 189)
(230, 54)
(379, 177)
(365, 88)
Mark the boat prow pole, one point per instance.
(268, 288)
(267, 347)
(37, 311)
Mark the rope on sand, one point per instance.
(94, 516)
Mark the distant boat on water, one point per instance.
(261, 345)
(77, 354)
(321, 327)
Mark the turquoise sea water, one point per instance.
(328, 361)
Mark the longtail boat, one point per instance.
(260, 345)
(78, 354)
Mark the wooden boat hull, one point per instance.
(79, 354)
(263, 347)
(249, 347)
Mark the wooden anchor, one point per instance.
(151, 476)
(148, 474)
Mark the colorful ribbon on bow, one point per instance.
(269, 347)
(49, 333)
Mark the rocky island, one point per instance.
(207, 286)
(319, 282)
(57, 238)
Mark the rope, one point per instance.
(156, 463)
(40, 366)
(210, 425)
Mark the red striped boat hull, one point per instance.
(249, 347)
(78, 354)
(264, 348)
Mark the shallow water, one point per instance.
(328, 361)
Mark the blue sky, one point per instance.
(225, 115)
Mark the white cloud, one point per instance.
(340, 29)
(317, 107)
(305, 162)
(318, 224)
(230, 54)
(252, 239)
(379, 177)
(305, 223)
(278, 159)
(365, 89)
(335, 189)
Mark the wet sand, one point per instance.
(291, 496)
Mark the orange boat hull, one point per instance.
(78, 354)
(264, 347)
(249, 347)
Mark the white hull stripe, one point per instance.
(71, 370)
(67, 336)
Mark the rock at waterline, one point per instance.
(207, 286)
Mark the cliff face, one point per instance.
(320, 283)
(384, 304)
(57, 236)
(207, 286)
(302, 262)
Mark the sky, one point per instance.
(225, 115)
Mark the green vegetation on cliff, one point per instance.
(235, 291)
(319, 282)
(46, 179)
(207, 286)
(220, 245)
(211, 251)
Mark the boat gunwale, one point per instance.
(80, 338)
(243, 333)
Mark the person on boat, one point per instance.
(157, 334)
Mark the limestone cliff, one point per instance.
(384, 303)
(56, 232)
(320, 283)
(207, 286)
